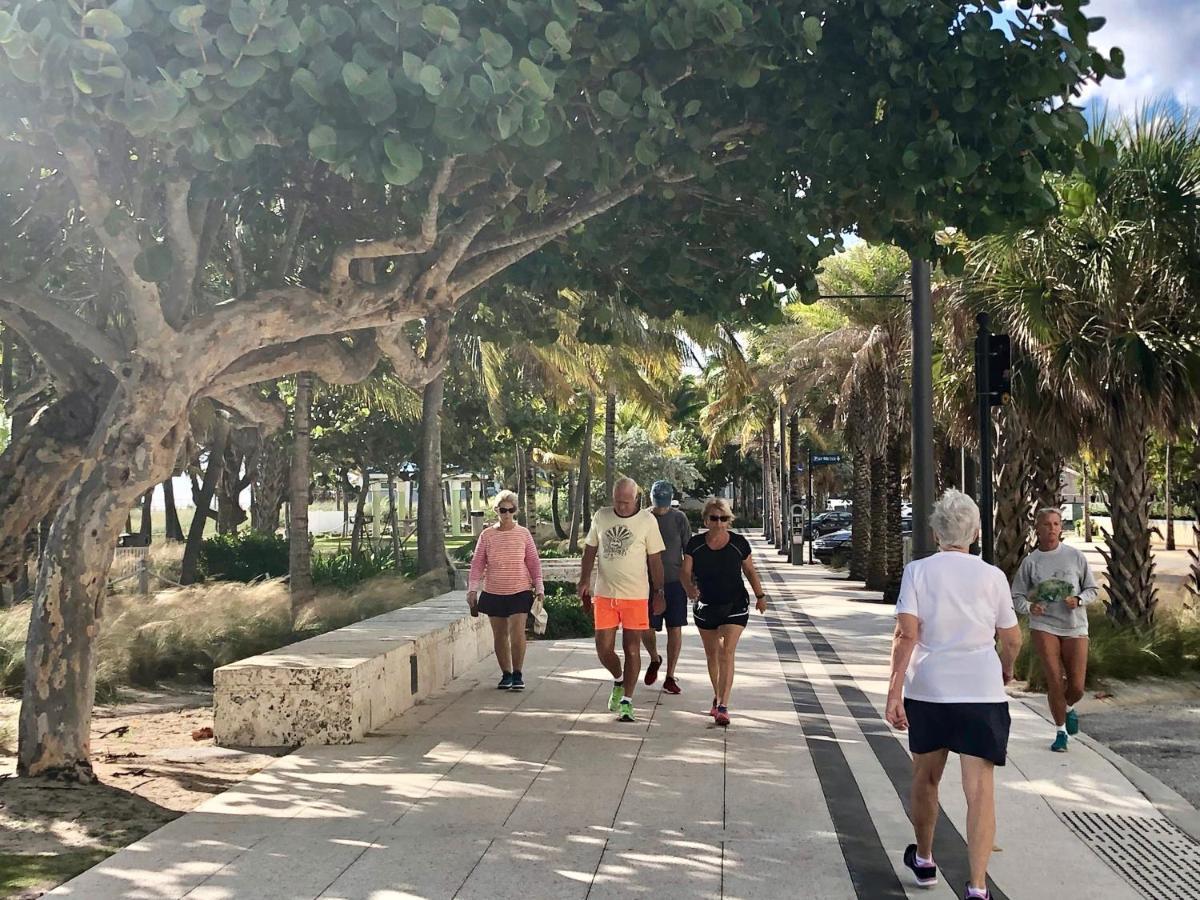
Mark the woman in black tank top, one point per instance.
(713, 565)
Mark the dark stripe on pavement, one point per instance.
(867, 862)
(949, 847)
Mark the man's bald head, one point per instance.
(625, 495)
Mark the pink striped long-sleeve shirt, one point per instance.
(506, 562)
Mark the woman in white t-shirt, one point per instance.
(947, 682)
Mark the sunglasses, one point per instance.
(506, 509)
(719, 518)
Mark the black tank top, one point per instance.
(718, 573)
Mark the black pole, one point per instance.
(811, 536)
(785, 491)
(984, 413)
(923, 471)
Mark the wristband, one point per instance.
(760, 596)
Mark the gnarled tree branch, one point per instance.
(330, 358)
(185, 250)
(65, 324)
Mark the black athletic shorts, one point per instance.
(676, 614)
(504, 605)
(708, 615)
(968, 729)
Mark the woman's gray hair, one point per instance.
(1047, 511)
(504, 496)
(955, 520)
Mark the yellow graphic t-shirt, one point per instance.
(624, 544)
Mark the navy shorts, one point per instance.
(676, 614)
(968, 729)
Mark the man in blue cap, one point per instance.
(676, 531)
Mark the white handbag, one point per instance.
(540, 617)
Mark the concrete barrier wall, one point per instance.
(339, 686)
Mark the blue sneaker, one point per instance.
(1060, 743)
(518, 683)
(1072, 722)
(506, 682)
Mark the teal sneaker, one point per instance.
(1072, 722)
(626, 710)
(1060, 743)
(614, 699)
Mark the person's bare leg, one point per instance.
(712, 655)
(674, 647)
(606, 650)
(1075, 660)
(729, 641)
(927, 775)
(632, 643)
(650, 642)
(979, 788)
(1049, 651)
(500, 642)
(516, 640)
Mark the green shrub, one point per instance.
(342, 570)
(465, 552)
(244, 556)
(568, 619)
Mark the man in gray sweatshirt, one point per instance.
(1053, 586)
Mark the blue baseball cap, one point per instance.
(662, 492)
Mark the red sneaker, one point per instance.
(713, 712)
(671, 686)
(722, 716)
(652, 671)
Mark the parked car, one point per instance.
(828, 522)
(826, 546)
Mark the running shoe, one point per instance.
(1060, 743)
(626, 706)
(1072, 722)
(722, 716)
(926, 875)
(518, 683)
(967, 895)
(614, 699)
(652, 671)
(506, 682)
(671, 686)
(713, 712)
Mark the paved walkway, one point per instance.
(541, 794)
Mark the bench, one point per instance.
(338, 687)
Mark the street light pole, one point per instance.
(922, 408)
(983, 389)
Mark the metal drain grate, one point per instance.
(1150, 853)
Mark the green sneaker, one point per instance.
(615, 697)
(626, 710)
(1072, 722)
(1060, 743)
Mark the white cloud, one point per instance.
(1160, 39)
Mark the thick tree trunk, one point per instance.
(519, 470)
(203, 499)
(1087, 505)
(877, 554)
(1014, 462)
(270, 485)
(1170, 506)
(300, 583)
(860, 546)
(610, 444)
(230, 514)
(530, 496)
(135, 447)
(431, 514)
(360, 514)
(147, 523)
(174, 528)
(1047, 478)
(1133, 598)
(893, 539)
(578, 508)
(394, 521)
(559, 531)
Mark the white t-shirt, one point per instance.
(624, 544)
(959, 601)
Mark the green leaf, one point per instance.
(557, 37)
(645, 151)
(105, 23)
(355, 77)
(536, 133)
(480, 87)
(748, 77)
(246, 73)
(322, 143)
(507, 120)
(411, 63)
(812, 31)
(440, 21)
(187, 18)
(693, 107)
(406, 160)
(376, 98)
(243, 19)
(432, 80)
(535, 77)
(7, 26)
(611, 102)
(306, 81)
(154, 263)
(495, 48)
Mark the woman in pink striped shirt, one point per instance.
(506, 562)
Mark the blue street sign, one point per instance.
(826, 459)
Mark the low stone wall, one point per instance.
(339, 686)
(567, 569)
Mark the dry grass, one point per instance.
(185, 633)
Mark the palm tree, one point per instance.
(1102, 297)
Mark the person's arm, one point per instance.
(1088, 589)
(687, 577)
(760, 596)
(533, 563)
(584, 587)
(1021, 586)
(658, 596)
(1010, 646)
(904, 641)
(478, 566)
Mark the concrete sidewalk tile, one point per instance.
(524, 866)
(677, 783)
(811, 864)
(671, 867)
(409, 868)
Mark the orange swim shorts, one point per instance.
(632, 615)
